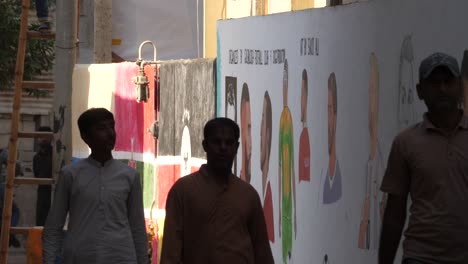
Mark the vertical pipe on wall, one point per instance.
(102, 31)
(65, 49)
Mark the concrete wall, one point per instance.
(86, 32)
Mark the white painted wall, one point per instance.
(279, 6)
(239, 8)
(347, 36)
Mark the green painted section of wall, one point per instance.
(146, 171)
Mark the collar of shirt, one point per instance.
(427, 124)
(98, 164)
(214, 178)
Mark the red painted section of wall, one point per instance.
(168, 175)
(133, 119)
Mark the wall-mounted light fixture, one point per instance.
(141, 81)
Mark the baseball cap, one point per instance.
(435, 60)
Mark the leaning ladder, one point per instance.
(20, 84)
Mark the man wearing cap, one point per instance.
(429, 162)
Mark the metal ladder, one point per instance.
(20, 84)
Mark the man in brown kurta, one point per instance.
(212, 216)
(429, 162)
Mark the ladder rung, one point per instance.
(41, 35)
(23, 134)
(38, 181)
(20, 230)
(39, 85)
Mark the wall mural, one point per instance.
(304, 142)
(265, 150)
(332, 181)
(286, 177)
(406, 85)
(246, 134)
(230, 107)
(110, 86)
(374, 200)
(336, 92)
(185, 147)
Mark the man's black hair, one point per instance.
(91, 116)
(214, 123)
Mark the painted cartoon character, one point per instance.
(332, 182)
(304, 143)
(286, 179)
(265, 147)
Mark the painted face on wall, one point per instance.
(263, 152)
(406, 85)
(264, 145)
(304, 99)
(285, 83)
(331, 112)
(265, 138)
(246, 140)
(373, 103)
(230, 100)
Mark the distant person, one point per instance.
(42, 168)
(429, 162)
(42, 12)
(15, 213)
(212, 216)
(104, 200)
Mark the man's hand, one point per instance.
(392, 227)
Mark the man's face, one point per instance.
(303, 102)
(101, 136)
(331, 122)
(221, 148)
(246, 139)
(44, 145)
(441, 91)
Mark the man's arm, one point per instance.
(136, 218)
(392, 228)
(396, 183)
(258, 234)
(172, 245)
(52, 236)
